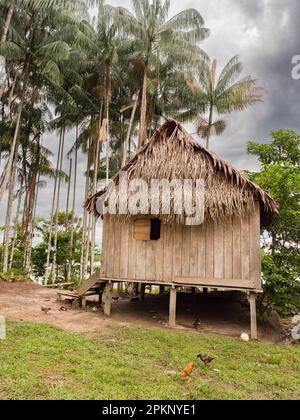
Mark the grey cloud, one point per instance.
(266, 34)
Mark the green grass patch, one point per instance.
(43, 362)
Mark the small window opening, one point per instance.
(155, 229)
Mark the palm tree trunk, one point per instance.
(106, 113)
(69, 191)
(28, 219)
(32, 226)
(7, 23)
(143, 128)
(32, 204)
(93, 238)
(54, 268)
(16, 228)
(11, 94)
(87, 246)
(73, 211)
(210, 123)
(85, 215)
(16, 136)
(127, 140)
(11, 173)
(96, 161)
(9, 210)
(48, 269)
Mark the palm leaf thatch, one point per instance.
(172, 153)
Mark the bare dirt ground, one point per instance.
(219, 314)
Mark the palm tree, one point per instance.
(221, 96)
(156, 38)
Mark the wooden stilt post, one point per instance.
(161, 290)
(108, 299)
(254, 334)
(143, 290)
(173, 302)
(83, 302)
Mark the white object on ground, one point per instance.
(296, 329)
(245, 337)
(2, 328)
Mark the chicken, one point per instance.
(186, 373)
(63, 309)
(207, 360)
(197, 324)
(45, 310)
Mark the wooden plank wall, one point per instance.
(212, 254)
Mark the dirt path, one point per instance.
(217, 314)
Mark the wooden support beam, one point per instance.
(143, 290)
(173, 303)
(108, 299)
(161, 290)
(254, 334)
(83, 302)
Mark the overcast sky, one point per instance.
(266, 35)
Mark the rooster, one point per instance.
(186, 373)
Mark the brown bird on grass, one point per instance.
(207, 360)
(45, 310)
(186, 373)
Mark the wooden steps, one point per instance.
(91, 287)
(93, 282)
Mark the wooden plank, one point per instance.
(108, 299)
(105, 245)
(201, 270)
(110, 247)
(236, 232)
(240, 283)
(172, 309)
(218, 250)
(125, 228)
(245, 246)
(143, 290)
(140, 264)
(194, 251)
(255, 257)
(131, 253)
(159, 255)
(209, 251)
(186, 244)
(177, 250)
(117, 250)
(168, 254)
(228, 250)
(150, 260)
(253, 317)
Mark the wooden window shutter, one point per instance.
(142, 230)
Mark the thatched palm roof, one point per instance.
(172, 153)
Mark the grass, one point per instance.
(42, 362)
